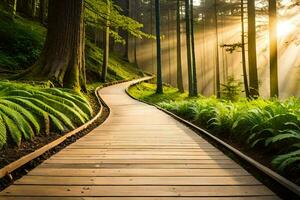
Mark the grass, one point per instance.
(269, 127)
(118, 69)
(146, 91)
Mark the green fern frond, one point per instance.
(61, 107)
(28, 115)
(13, 129)
(3, 137)
(19, 120)
(52, 111)
(67, 102)
(81, 102)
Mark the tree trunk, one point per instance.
(159, 88)
(188, 46)
(218, 84)
(273, 49)
(105, 46)
(253, 77)
(134, 39)
(179, 62)
(12, 4)
(43, 9)
(62, 58)
(126, 35)
(195, 86)
(33, 8)
(244, 52)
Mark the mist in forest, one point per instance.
(143, 52)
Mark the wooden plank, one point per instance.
(143, 150)
(144, 198)
(140, 166)
(169, 191)
(163, 157)
(137, 172)
(54, 180)
(95, 152)
(140, 146)
(143, 161)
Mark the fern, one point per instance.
(281, 162)
(52, 111)
(2, 132)
(79, 101)
(14, 131)
(28, 115)
(19, 120)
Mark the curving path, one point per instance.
(139, 153)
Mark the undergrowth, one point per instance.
(26, 111)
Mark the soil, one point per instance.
(12, 153)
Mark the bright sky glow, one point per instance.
(197, 2)
(285, 2)
(284, 28)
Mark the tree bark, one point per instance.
(195, 82)
(126, 35)
(253, 77)
(188, 46)
(244, 52)
(273, 49)
(33, 8)
(159, 88)
(43, 9)
(105, 46)
(218, 84)
(62, 58)
(12, 4)
(179, 61)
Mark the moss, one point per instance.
(118, 69)
(146, 92)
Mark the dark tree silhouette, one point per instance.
(159, 88)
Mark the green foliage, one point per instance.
(97, 14)
(271, 126)
(231, 90)
(21, 42)
(26, 111)
(118, 69)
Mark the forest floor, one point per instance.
(182, 105)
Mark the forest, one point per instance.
(229, 68)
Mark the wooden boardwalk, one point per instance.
(139, 153)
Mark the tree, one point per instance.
(62, 59)
(195, 87)
(105, 45)
(159, 88)
(179, 61)
(253, 77)
(244, 52)
(188, 45)
(273, 48)
(43, 9)
(33, 8)
(12, 4)
(218, 84)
